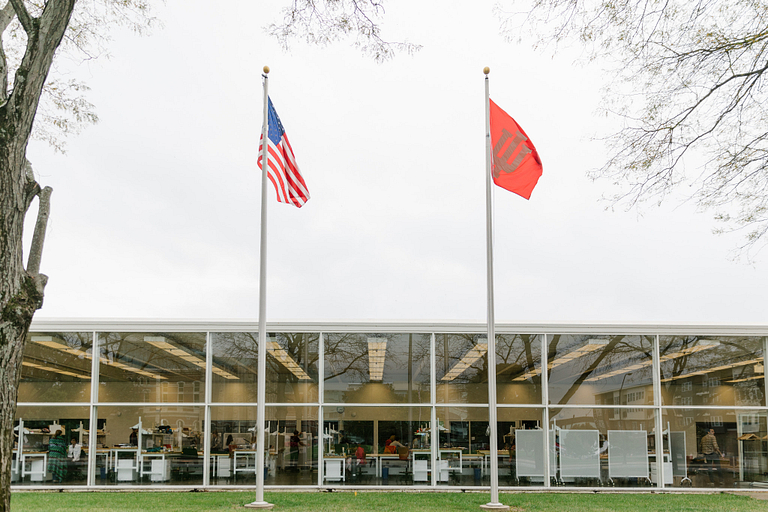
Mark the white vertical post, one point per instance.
(545, 412)
(93, 436)
(321, 410)
(657, 412)
(491, 354)
(262, 365)
(207, 417)
(433, 402)
(434, 446)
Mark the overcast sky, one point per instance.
(156, 208)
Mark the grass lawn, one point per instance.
(379, 502)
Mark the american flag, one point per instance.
(283, 171)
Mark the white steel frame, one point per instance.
(545, 330)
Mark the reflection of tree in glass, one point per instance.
(131, 349)
(451, 348)
(346, 357)
(237, 353)
(618, 352)
(302, 348)
(731, 361)
(406, 361)
(519, 354)
(51, 358)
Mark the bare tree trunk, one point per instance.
(21, 290)
(21, 294)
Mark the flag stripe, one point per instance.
(282, 169)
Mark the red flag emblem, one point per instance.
(515, 163)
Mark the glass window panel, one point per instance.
(376, 445)
(56, 367)
(235, 355)
(712, 370)
(43, 457)
(291, 367)
(461, 368)
(464, 459)
(600, 447)
(521, 463)
(151, 445)
(151, 367)
(290, 439)
(607, 370)
(518, 368)
(715, 448)
(377, 368)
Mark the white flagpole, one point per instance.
(262, 367)
(494, 504)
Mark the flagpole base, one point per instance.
(263, 505)
(495, 507)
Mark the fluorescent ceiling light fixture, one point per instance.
(279, 353)
(55, 370)
(48, 342)
(590, 346)
(754, 377)
(758, 369)
(468, 360)
(159, 342)
(702, 345)
(714, 369)
(377, 353)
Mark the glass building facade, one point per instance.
(392, 405)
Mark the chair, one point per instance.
(188, 462)
(77, 470)
(404, 453)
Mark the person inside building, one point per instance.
(294, 443)
(392, 444)
(215, 441)
(712, 453)
(230, 445)
(133, 440)
(74, 451)
(57, 456)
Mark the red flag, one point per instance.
(515, 163)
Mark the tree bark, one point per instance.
(21, 290)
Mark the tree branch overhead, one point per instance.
(689, 90)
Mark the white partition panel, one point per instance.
(579, 453)
(529, 453)
(677, 452)
(628, 454)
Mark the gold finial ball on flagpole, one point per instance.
(266, 69)
(486, 70)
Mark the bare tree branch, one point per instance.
(324, 21)
(38, 238)
(25, 19)
(690, 90)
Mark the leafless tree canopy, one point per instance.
(322, 22)
(690, 89)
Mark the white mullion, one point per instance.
(207, 415)
(765, 373)
(321, 402)
(433, 407)
(545, 402)
(659, 428)
(93, 411)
